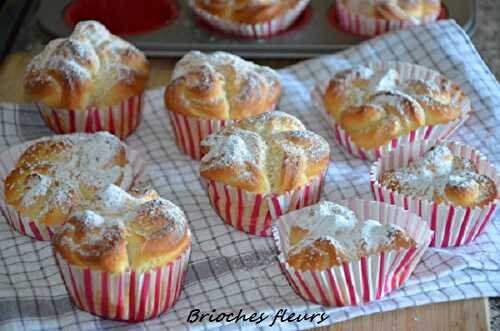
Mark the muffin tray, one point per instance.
(315, 33)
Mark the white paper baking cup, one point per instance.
(126, 296)
(260, 30)
(370, 278)
(370, 26)
(120, 120)
(452, 225)
(254, 213)
(28, 227)
(190, 131)
(430, 133)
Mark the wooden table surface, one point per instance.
(458, 315)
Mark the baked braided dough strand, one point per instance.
(221, 86)
(270, 153)
(56, 176)
(91, 67)
(375, 105)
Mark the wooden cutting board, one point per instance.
(470, 315)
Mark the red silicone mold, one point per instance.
(123, 17)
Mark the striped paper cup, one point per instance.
(431, 133)
(254, 213)
(119, 120)
(259, 30)
(370, 26)
(126, 296)
(28, 227)
(190, 131)
(452, 225)
(357, 282)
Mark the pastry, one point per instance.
(209, 91)
(442, 177)
(270, 153)
(247, 11)
(349, 253)
(260, 168)
(375, 106)
(248, 18)
(329, 235)
(394, 10)
(132, 244)
(221, 86)
(90, 69)
(57, 175)
(122, 231)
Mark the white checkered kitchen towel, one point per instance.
(229, 270)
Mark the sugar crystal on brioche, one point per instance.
(328, 234)
(221, 86)
(376, 106)
(124, 231)
(91, 67)
(272, 152)
(57, 175)
(442, 177)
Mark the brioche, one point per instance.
(57, 175)
(221, 86)
(374, 107)
(395, 10)
(272, 152)
(124, 232)
(328, 234)
(442, 177)
(90, 68)
(247, 11)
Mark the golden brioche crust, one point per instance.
(221, 86)
(56, 175)
(398, 10)
(247, 11)
(374, 107)
(272, 152)
(442, 177)
(91, 67)
(124, 232)
(327, 235)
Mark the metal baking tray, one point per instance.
(314, 34)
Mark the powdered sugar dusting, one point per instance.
(90, 53)
(437, 169)
(116, 213)
(339, 225)
(242, 80)
(87, 163)
(258, 147)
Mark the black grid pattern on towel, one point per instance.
(230, 270)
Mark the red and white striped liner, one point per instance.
(24, 225)
(453, 226)
(127, 296)
(190, 131)
(254, 213)
(370, 278)
(430, 133)
(369, 26)
(260, 30)
(119, 120)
